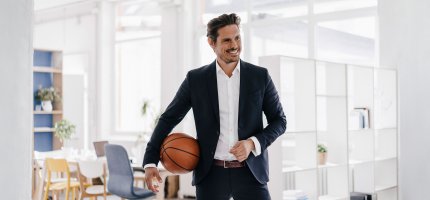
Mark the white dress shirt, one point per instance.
(228, 101)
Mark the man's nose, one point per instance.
(234, 45)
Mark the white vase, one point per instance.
(47, 106)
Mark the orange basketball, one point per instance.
(179, 153)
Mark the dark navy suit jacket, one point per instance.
(199, 92)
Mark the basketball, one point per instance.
(179, 153)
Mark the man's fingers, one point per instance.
(236, 145)
(240, 151)
(149, 184)
(160, 180)
(152, 177)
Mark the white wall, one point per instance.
(405, 44)
(16, 83)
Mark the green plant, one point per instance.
(322, 148)
(145, 107)
(48, 94)
(148, 113)
(64, 129)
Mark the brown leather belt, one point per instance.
(229, 164)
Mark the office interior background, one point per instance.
(117, 54)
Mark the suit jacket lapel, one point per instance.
(213, 90)
(242, 93)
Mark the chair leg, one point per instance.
(46, 189)
(45, 196)
(67, 193)
(73, 193)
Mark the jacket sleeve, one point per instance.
(173, 114)
(274, 113)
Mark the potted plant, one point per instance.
(322, 154)
(47, 96)
(64, 130)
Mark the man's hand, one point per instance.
(152, 178)
(242, 149)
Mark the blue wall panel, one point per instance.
(43, 141)
(42, 58)
(43, 121)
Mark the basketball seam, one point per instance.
(181, 150)
(164, 144)
(177, 163)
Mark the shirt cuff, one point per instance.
(149, 165)
(257, 150)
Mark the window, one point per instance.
(278, 9)
(137, 64)
(331, 30)
(326, 6)
(347, 40)
(287, 39)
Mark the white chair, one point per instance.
(89, 169)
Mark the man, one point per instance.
(228, 97)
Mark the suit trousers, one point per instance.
(225, 183)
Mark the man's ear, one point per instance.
(211, 42)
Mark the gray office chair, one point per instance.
(121, 174)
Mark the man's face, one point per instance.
(228, 44)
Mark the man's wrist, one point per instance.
(251, 143)
(149, 165)
(257, 147)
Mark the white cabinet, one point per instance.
(352, 111)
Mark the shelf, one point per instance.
(387, 128)
(43, 129)
(361, 131)
(329, 197)
(385, 158)
(329, 165)
(379, 188)
(357, 162)
(300, 132)
(54, 112)
(47, 69)
(323, 96)
(295, 169)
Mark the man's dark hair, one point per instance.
(223, 20)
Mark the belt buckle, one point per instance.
(224, 164)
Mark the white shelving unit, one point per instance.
(350, 109)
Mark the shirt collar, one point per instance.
(236, 69)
